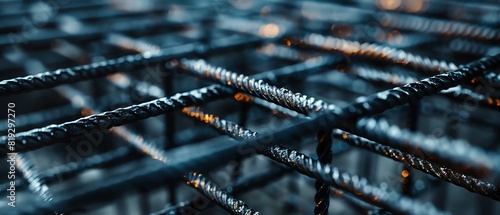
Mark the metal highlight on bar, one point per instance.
(470, 183)
(226, 201)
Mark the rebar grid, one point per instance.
(476, 71)
(363, 191)
(350, 183)
(236, 132)
(451, 160)
(470, 183)
(374, 104)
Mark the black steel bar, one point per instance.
(470, 183)
(379, 52)
(52, 134)
(437, 26)
(448, 151)
(406, 173)
(70, 75)
(242, 185)
(223, 199)
(324, 152)
(229, 128)
(459, 92)
(280, 96)
(385, 54)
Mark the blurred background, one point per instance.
(113, 175)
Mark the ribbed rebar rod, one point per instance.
(459, 92)
(145, 146)
(33, 118)
(79, 73)
(35, 183)
(126, 134)
(390, 200)
(379, 52)
(386, 54)
(374, 74)
(39, 118)
(271, 106)
(444, 27)
(52, 134)
(242, 185)
(413, 92)
(281, 96)
(361, 192)
(470, 183)
(471, 47)
(223, 199)
(454, 151)
(231, 129)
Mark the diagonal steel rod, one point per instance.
(385, 54)
(242, 185)
(470, 183)
(222, 198)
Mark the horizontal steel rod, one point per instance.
(52, 134)
(126, 63)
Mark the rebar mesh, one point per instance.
(263, 107)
